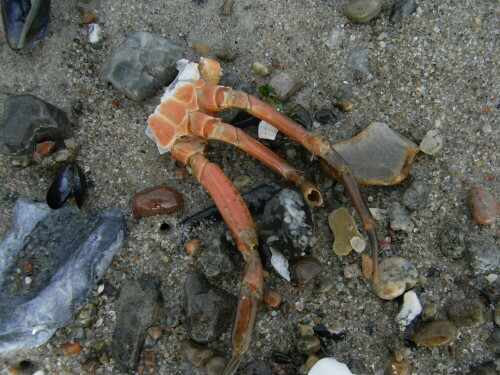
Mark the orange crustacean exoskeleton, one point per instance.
(183, 122)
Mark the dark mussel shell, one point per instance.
(69, 180)
(25, 21)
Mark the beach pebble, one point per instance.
(343, 98)
(202, 48)
(300, 115)
(241, 181)
(260, 69)
(452, 242)
(485, 257)
(272, 298)
(329, 366)
(497, 313)
(416, 196)
(436, 333)
(305, 270)
(467, 313)
(142, 64)
(396, 275)
(226, 53)
(403, 9)
(28, 120)
(400, 367)
(157, 200)
(410, 310)
(70, 348)
(483, 206)
(193, 247)
(258, 368)
(344, 230)
(325, 117)
(308, 344)
(286, 84)
(432, 143)
(196, 354)
(358, 63)
(91, 365)
(215, 260)
(363, 11)
(95, 33)
(400, 219)
(216, 365)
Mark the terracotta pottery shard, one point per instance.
(378, 155)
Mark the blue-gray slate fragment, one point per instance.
(29, 120)
(141, 65)
(70, 252)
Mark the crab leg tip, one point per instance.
(232, 365)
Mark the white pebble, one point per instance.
(39, 372)
(492, 277)
(28, 280)
(267, 131)
(100, 289)
(358, 244)
(410, 310)
(329, 366)
(95, 32)
(432, 143)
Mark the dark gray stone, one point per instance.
(139, 307)
(325, 117)
(359, 63)
(485, 257)
(258, 368)
(29, 120)
(403, 9)
(416, 196)
(214, 260)
(208, 309)
(70, 252)
(452, 242)
(142, 64)
(300, 115)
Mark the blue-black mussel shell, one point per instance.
(69, 180)
(25, 21)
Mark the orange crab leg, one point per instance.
(189, 150)
(216, 98)
(209, 127)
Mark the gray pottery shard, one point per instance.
(69, 252)
(29, 120)
(141, 65)
(378, 155)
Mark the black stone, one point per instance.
(29, 120)
(325, 117)
(281, 358)
(300, 115)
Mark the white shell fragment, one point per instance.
(410, 310)
(329, 366)
(280, 264)
(267, 131)
(432, 143)
(358, 244)
(95, 32)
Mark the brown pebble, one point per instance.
(70, 348)
(436, 333)
(202, 49)
(483, 205)
(26, 266)
(272, 298)
(155, 332)
(366, 266)
(306, 270)
(91, 365)
(196, 354)
(180, 172)
(44, 148)
(157, 200)
(193, 247)
(400, 368)
(88, 17)
(308, 345)
(216, 365)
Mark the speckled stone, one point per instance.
(485, 257)
(436, 333)
(272, 298)
(467, 313)
(358, 63)
(157, 200)
(325, 117)
(363, 11)
(452, 242)
(196, 354)
(305, 270)
(400, 219)
(91, 365)
(286, 84)
(403, 9)
(343, 98)
(308, 344)
(416, 196)
(483, 206)
(396, 275)
(344, 230)
(216, 365)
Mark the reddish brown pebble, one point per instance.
(272, 298)
(180, 172)
(483, 205)
(435, 333)
(88, 17)
(45, 148)
(193, 247)
(157, 200)
(70, 348)
(155, 332)
(305, 270)
(400, 368)
(91, 365)
(26, 266)
(149, 357)
(116, 104)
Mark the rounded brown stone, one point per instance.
(400, 368)
(483, 205)
(272, 298)
(308, 344)
(306, 270)
(157, 200)
(436, 333)
(91, 365)
(193, 247)
(70, 348)
(196, 354)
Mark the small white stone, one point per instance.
(280, 264)
(410, 310)
(492, 277)
(432, 143)
(358, 244)
(100, 289)
(378, 213)
(486, 128)
(95, 32)
(39, 372)
(28, 280)
(267, 131)
(329, 366)
(335, 38)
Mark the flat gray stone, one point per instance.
(141, 65)
(285, 84)
(363, 11)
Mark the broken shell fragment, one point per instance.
(410, 310)
(389, 160)
(396, 275)
(267, 131)
(329, 366)
(344, 231)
